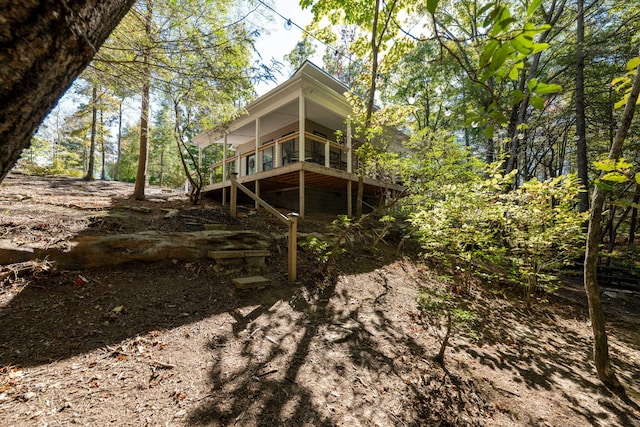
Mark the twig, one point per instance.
(162, 365)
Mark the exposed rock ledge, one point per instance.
(96, 251)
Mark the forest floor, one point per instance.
(173, 343)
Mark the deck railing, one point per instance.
(281, 152)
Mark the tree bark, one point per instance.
(596, 313)
(45, 46)
(117, 171)
(143, 160)
(92, 147)
(581, 133)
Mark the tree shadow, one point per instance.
(336, 348)
(541, 354)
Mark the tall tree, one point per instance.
(143, 160)
(581, 121)
(596, 313)
(47, 46)
(92, 146)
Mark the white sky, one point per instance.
(275, 41)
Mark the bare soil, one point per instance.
(173, 343)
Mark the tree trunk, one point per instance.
(92, 147)
(596, 313)
(103, 172)
(45, 46)
(116, 175)
(634, 216)
(581, 133)
(143, 160)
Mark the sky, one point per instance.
(276, 41)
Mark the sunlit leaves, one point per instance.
(623, 83)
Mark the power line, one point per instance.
(290, 22)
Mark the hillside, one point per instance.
(173, 343)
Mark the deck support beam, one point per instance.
(301, 193)
(359, 197)
(349, 201)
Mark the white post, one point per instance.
(301, 118)
(327, 153)
(277, 154)
(349, 145)
(258, 159)
(224, 159)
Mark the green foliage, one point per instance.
(530, 232)
(317, 247)
(623, 84)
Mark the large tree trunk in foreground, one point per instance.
(596, 313)
(45, 46)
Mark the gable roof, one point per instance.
(307, 77)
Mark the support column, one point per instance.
(257, 191)
(258, 159)
(301, 195)
(292, 246)
(224, 196)
(224, 159)
(349, 148)
(277, 154)
(327, 154)
(200, 158)
(234, 195)
(359, 197)
(349, 201)
(301, 127)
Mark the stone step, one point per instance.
(254, 257)
(253, 282)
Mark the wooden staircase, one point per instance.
(248, 257)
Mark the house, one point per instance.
(294, 148)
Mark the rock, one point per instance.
(96, 251)
(253, 282)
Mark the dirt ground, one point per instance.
(173, 343)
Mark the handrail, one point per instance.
(291, 220)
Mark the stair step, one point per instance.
(253, 282)
(255, 257)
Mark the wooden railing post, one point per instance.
(234, 195)
(293, 246)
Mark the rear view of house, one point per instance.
(295, 149)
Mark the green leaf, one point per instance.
(618, 80)
(488, 131)
(532, 7)
(633, 63)
(616, 177)
(432, 5)
(605, 165)
(537, 102)
(603, 185)
(620, 103)
(499, 56)
(487, 53)
(533, 84)
(522, 44)
(638, 178)
(545, 88)
(516, 96)
(513, 73)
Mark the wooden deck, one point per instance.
(304, 175)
